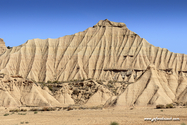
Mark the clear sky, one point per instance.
(162, 23)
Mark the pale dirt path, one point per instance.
(96, 117)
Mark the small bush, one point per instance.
(34, 109)
(169, 106)
(50, 88)
(21, 122)
(114, 123)
(55, 82)
(48, 81)
(35, 112)
(23, 110)
(183, 124)
(160, 106)
(110, 85)
(26, 122)
(22, 113)
(185, 104)
(8, 47)
(44, 109)
(48, 109)
(14, 110)
(11, 110)
(6, 114)
(69, 108)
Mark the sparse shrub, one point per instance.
(6, 114)
(185, 104)
(34, 109)
(110, 81)
(35, 112)
(169, 106)
(183, 124)
(48, 81)
(76, 91)
(26, 122)
(55, 82)
(161, 110)
(11, 110)
(160, 106)
(23, 110)
(8, 47)
(22, 113)
(110, 85)
(17, 110)
(48, 109)
(64, 108)
(83, 79)
(21, 122)
(14, 110)
(114, 123)
(69, 108)
(44, 109)
(50, 88)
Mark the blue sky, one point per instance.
(162, 23)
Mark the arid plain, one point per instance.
(96, 117)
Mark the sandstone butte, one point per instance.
(105, 65)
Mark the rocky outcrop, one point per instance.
(16, 92)
(64, 96)
(3, 47)
(152, 88)
(100, 97)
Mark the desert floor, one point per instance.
(95, 117)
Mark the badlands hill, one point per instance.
(124, 69)
(103, 51)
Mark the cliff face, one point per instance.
(106, 51)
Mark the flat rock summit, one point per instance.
(105, 65)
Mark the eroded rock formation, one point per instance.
(3, 48)
(134, 71)
(17, 91)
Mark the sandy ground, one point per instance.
(95, 117)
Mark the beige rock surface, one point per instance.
(17, 92)
(63, 96)
(3, 48)
(100, 97)
(98, 52)
(108, 51)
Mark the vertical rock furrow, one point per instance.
(29, 52)
(64, 44)
(94, 55)
(43, 70)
